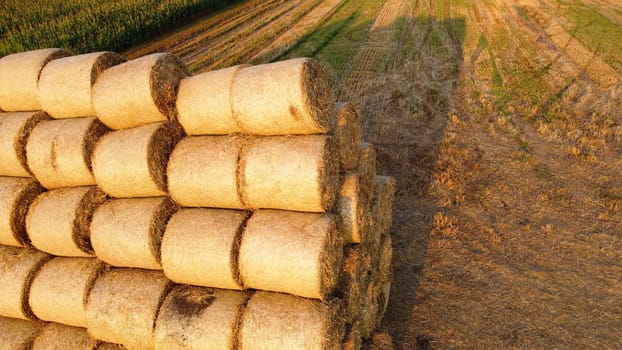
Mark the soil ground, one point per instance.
(501, 121)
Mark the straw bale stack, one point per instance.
(199, 318)
(18, 266)
(17, 334)
(280, 321)
(348, 135)
(123, 306)
(16, 196)
(353, 209)
(127, 232)
(58, 221)
(59, 151)
(60, 289)
(19, 77)
(132, 162)
(352, 281)
(55, 336)
(200, 247)
(65, 84)
(296, 253)
(138, 92)
(15, 128)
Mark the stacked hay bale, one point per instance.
(171, 211)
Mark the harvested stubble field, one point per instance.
(501, 121)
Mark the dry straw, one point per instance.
(132, 162)
(56, 336)
(19, 76)
(367, 172)
(288, 97)
(60, 289)
(348, 135)
(384, 189)
(15, 128)
(18, 266)
(298, 173)
(352, 209)
(127, 232)
(296, 253)
(59, 151)
(65, 84)
(110, 346)
(383, 303)
(199, 318)
(379, 341)
(17, 334)
(17, 194)
(123, 305)
(204, 103)
(138, 92)
(203, 172)
(58, 220)
(200, 247)
(286, 322)
(353, 339)
(352, 281)
(369, 310)
(384, 264)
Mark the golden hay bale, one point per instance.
(200, 247)
(348, 135)
(204, 103)
(292, 173)
(384, 189)
(279, 321)
(383, 303)
(59, 151)
(367, 172)
(65, 84)
(15, 129)
(127, 232)
(352, 281)
(110, 346)
(288, 97)
(58, 220)
(123, 306)
(352, 340)
(18, 266)
(19, 76)
(56, 336)
(203, 172)
(59, 290)
(379, 341)
(17, 334)
(16, 195)
(296, 253)
(199, 318)
(132, 162)
(138, 92)
(352, 210)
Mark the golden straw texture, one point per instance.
(16, 194)
(65, 84)
(56, 336)
(19, 76)
(17, 334)
(200, 247)
(351, 209)
(15, 128)
(348, 135)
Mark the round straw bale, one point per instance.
(280, 321)
(351, 208)
(17, 195)
(58, 220)
(110, 346)
(132, 162)
(352, 281)
(199, 318)
(348, 135)
(203, 172)
(296, 253)
(293, 173)
(367, 172)
(65, 84)
(204, 103)
(127, 232)
(383, 303)
(123, 306)
(18, 266)
(288, 97)
(56, 336)
(384, 189)
(15, 129)
(379, 341)
(200, 247)
(59, 291)
(19, 76)
(138, 92)
(352, 340)
(59, 151)
(17, 334)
